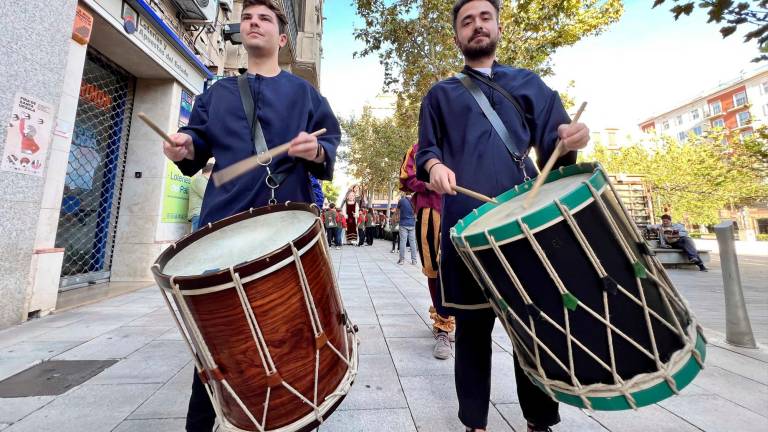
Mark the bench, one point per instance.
(674, 258)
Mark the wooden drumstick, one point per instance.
(475, 195)
(548, 167)
(156, 128)
(237, 169)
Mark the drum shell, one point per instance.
(273, 287)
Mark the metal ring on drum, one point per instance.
(258, 305)
(593, 318)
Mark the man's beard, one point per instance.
(475, 52)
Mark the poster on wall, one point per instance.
(28, 136)
(176, 192)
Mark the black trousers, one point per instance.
(200, 414)
(473, 375)
(369, 231)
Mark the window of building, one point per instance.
(679, 120)
(665, 124)
(740, 99)
(742, 118)
(764, 87)
(746, 134)
(719, 123)
(697, 130)
(715, 108)
(681, 136)
(695, 114)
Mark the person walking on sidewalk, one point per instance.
(284, 108)
(361, 227)
(370, 226)
(407, 228)
(458, 145)
(427, 204)
(196, 194)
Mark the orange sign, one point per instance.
(95, 95)
(81, 30)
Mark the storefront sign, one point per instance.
(175, 195)
(28, 136)
(81, 30)
(156, 43)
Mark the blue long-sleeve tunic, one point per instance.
(285, 105)
(454, 130)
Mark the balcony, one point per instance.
(740, 107)
(708, 115)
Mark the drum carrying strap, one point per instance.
(274, 179)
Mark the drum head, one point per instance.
(513, 209)
(240, 242)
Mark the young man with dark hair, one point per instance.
(459, 145)
(284, 108)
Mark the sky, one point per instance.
(642, 66)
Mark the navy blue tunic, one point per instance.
(285, 106)
(453, 129)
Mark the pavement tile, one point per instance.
(571, 419)
(650, 418)
(371, 340)
(16, 358)
(738, 363)
(737, 389)
(154, 425)
(406, 325)
(157, 362)
(116, 344)
(15, 409)
(171, 400)
(376, 386)
(398, 419)
(413, 357)
(712, 413)
(106, 406)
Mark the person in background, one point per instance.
(407, 228)
(196, 194)
(676, 236)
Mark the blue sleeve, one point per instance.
(323, 117)
(318, 190)
(197, 129)
(548, 116)
(430, 145)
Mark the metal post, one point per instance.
(738, 331)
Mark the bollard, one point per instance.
(738, 331)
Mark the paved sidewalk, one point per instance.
(400, 386)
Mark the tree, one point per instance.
(731, 15)
(693, 179)
(330, 191)
(376, 148)
(414, 38)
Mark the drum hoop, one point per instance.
(204, 281)
(683, 363)
(536, 220)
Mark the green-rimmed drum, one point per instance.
(593, 317)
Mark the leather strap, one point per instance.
(513, 100)
(492, 117)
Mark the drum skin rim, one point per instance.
(541, 217)
(644, 397)
(252, 266)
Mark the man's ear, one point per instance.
(283, 40)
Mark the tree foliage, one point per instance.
(414, 38)
(693, 179)
(731, 15)
(376, 148)
(330, 191)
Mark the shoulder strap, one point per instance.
(259, 143)
(492, 116)
(513, 100)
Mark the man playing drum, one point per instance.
(460, 145)
(286, 108)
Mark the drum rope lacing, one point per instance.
(624, 387)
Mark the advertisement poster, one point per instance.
(28, 136)
(176, 192)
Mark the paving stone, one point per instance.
(376, 386)
(154, 425)
(371, 340)
(742, 391)
(712, 413)
(434, 406)
(171, 400)
(410, 325)
(571, 419)
(15, 409)
(738, 363)
(155, 363)
(413, 357)
(92, 408)
(503, 386)
(16, 358)
(369, 420)
(116, 344)
(650, 418)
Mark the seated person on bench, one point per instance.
(675, 236)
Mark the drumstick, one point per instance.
(548, 167)
(475, 195)
(237, 169)
(156, 128)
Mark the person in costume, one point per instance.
(460, 146)
(287, 109)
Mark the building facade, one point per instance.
(739, 106)
(88, 198)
